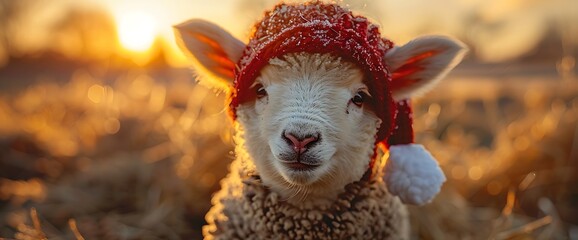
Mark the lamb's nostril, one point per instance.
(300, 144)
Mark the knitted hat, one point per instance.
(411, 172)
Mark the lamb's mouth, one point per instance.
(299, 166)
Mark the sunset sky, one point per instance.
(496, 30)
(521, 23)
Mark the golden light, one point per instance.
(136, 30)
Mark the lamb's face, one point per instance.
(309, 123)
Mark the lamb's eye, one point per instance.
(260, 90)
(358, 99)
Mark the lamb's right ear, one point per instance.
(213, 51)
(419, 65)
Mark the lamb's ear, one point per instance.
(213, 51)
(418, 65)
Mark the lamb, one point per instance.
(324, 135)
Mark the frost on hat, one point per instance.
(411, 172)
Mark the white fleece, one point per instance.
(413, 174)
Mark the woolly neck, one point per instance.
(246, 208)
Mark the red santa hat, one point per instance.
(411, 172)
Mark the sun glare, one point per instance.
(136, 31)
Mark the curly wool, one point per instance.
(246, 209)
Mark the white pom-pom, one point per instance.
(413, 174)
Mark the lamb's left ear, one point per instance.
(213, 51)
(418, 65)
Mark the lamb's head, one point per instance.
(312, 105)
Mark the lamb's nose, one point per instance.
(300, 144)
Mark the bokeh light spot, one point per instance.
(475, 173)
(96, 93)
(111, 125)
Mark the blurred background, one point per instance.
(104, 134)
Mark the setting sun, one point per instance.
(136, 30)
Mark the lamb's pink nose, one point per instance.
(300, 144)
